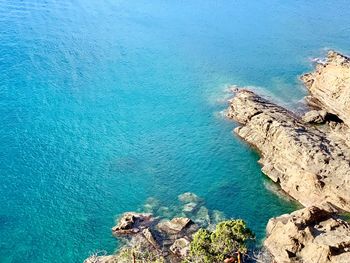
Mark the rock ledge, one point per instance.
(312, 234)
(304, 160)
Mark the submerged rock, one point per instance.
(189, 198)
(152, 204)
(165, 212)
(217, 216)
(190, 208)
(202, 217)
(312, 234)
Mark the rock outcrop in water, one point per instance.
(163, 234)
(312, 234)
(306, 163)
(309, 157)
(150, 239)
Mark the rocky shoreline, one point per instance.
(302, 159)
(309, 157)
(160, 234)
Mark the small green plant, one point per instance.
(227, 241)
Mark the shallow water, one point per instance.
(106, 103)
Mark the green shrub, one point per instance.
(227, 240)
(200, 247)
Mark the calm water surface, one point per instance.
(104, 103)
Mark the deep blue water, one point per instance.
(104, 103)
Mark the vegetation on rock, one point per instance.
(192, 234)
(228, 241)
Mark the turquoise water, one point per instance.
(105, 103)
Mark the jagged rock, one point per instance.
(329, 86)
(315, 116)
(150, 238)
(181, 247)
(189, 198)
(132, 223)
(307, 164)
(174, 226)
(312, 234)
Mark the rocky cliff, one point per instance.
(306, 163)
(312, 234)
(329, 85)
(309, 157)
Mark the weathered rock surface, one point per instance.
(315, 116)
(312, 234)
(150, 240)
(329, 85)
(132, 223)
(307, 164)
(181, 247)
(174, 226)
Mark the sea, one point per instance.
(106, 103)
